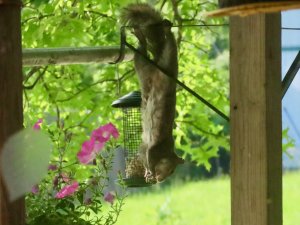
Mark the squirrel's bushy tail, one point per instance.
(140, 14)
(148, 26)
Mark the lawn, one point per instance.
(199, 203)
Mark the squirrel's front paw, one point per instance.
(149, 177)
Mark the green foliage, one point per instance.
(205, 202)
(79, 97)
(287, 142)
(85, 205)
(175, 205)
(73, 100)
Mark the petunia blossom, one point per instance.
(35, 189)
(89, 151)
(37, 125)
(103, 133)
(98, 138)
(109, 197)
(65, 177)
(52, 167)
(67, 190)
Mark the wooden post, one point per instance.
(11, 116)
(255, 95)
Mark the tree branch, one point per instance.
(31, 73)
(84, 89)
(178, 18)
(199, 128)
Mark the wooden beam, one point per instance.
(255, 106)
(11, 115)
(68, 55)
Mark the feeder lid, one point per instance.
(133, 99)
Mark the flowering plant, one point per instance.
(74, 192)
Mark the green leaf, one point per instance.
(24, 161)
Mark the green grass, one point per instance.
(291, 199)
(199, 203)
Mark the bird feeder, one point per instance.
(132, 131)
(249, 7)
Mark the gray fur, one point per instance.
(158, 90)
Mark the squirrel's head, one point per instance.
(166, 167)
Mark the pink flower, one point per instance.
(52, 167)
(37, 125)
(65, 177)
(89, 151)
(61, 177)
(109, 197)
(98, 138)
(67, 190)
(35, 189)
(103, 133)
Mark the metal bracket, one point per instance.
(290, 75)
(122, 46)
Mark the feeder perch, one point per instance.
(132, 130)
(249, 7)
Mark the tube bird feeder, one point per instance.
(132, 131)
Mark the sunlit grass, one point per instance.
(192, 203)
(199, 203)
(291, 199)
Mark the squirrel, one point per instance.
(157, 151)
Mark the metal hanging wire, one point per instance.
(290, 75)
